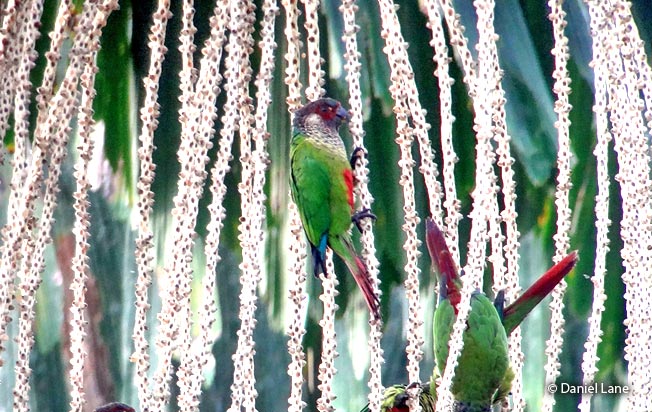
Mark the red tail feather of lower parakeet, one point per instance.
(514, 314)
(441, 257)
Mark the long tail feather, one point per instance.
(345, 250)
(517, 311)
(444, 263)
(362, 278)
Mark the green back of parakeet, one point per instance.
(484, 362)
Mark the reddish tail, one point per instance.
(362, 278)
(442, 259)
(343, 247)
(517, 311)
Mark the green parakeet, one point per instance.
(483, 376)
(321, 182)
(395, 399)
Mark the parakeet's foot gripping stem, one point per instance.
(357, 154)
(362, 214)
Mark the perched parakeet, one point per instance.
(321, 182)
(395, 399)
(483, 376)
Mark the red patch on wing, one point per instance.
(348, 179)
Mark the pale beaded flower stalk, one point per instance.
(637, 71)
(352, 66)
(445, 82)
(144, 251)
(297, 255)
(495, 104)
(33, 247)
(315, 88)
(460, 45)
(197, 118)
(32, 264)
(292, 55)
(562, 241)
(57, 36)
(29, 14)
(505, 267)
(505, 276)
(8, 34)
(637, 287)
(26, 39)
(415, 331)
(81, 231)
(637, 61)
(175, 295)
(634, 167)
(394, 50)
(253, 180)
(590, 356)
(29, 283)
(51, 135)
(633, 176)
(484, 195)
(508, 279)
(416, 112)
(93, 18)
(298, 299)
(263, 84)
(504, 248)
(427, 167)
(33, 255)
(243, 392)
(489, 66)
(9, 14)
(327, 369)
(194, 360)
(20, 43)
(451, 203)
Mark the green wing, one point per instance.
(484, 360)
(310, 184)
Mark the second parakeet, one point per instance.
(483, 376)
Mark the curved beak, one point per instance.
(343, 114)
